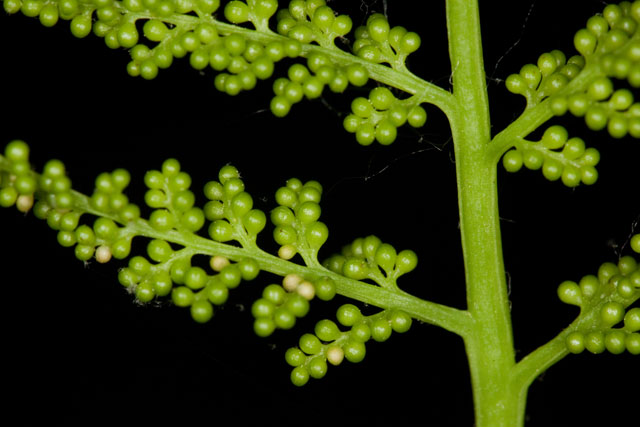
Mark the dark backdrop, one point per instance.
(79, 351)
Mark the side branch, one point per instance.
(405, 80)
(449, 318)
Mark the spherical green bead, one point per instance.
(170, 168)
(182, 296)
(299, 376)
(406, 261)
(357, 75)
(49, 15)
(317, 367)
(327, 330)
(354, 351)
(360, 331)
(617, 126)
(84, 252)
(316, 234)
(282, 215)
(627, 264)
(571, 176)
(66, 238)
(230, 276)
(236, 12)
(400, 321)
(241, 203)
(249, 268)
(162, 284)
(348, 315)
(274, 293)
(385, 132)
(161, 220)
(297, 305)
(417, 116)
(193, 219)
(585, 42)
(221, 231)
(295, 357)
(69, 221)
(385, 257)
(381, 98)
(12, 6)
(552, 169)
(512, 160)
(611, 313)
(283, 318)
(635, 243)
(232, 186)
(381, 330)
(262, 307)
(254, 221)
(264, 326)
(195, 278)
(355, 268)
(217, 293)
(85, 235)
(201, 311)
(614, 341)
(17, 151)
(574, 148)
(144, 292)
(575, 342)
(121, 248)
(310, 192)
(594, 342)
(516, 84)
(554, 137)
(310, 344)
(25, 184)
(127, 278)
(570, 293)
(325, 288)
(632, 320)
(178, 270)
(607, 271)
(632, 343)
(409, 43)
(625, 288)
(600, 89)
(159, 250)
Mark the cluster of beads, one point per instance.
(609, 41)
(604, 107)
(546, 78)
(230, 209)
(312, 21)
(189, 286)
(171, 199)
(329, 345)
(282, 304)
(18, 184)
(310, 81)
(378, 42)
(370, 258)
(296, 219)
(609, 293)
(108, 197)
(377, 117)
(557, 156)
(257, 12)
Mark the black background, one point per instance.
(79, 351)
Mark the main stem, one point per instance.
(489, 346)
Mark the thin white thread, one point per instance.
(513, 46)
